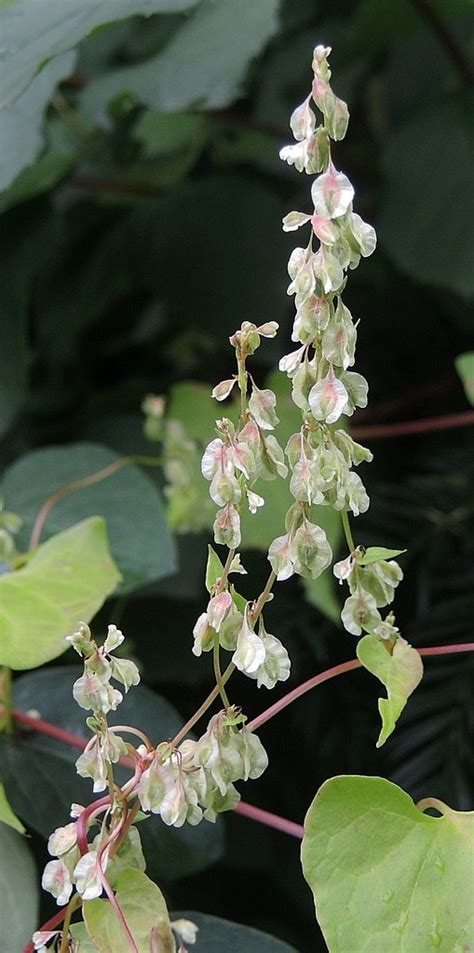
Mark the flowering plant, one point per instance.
(97, 864)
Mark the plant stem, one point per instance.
(263, 597)
(347, 531)
(6, 720)
(341, 670)
(407, 427)
(202, 708)
(242, 382)
(269, 819)
(86, 481)
(218, 673)
(73, 905)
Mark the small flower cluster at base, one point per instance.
(196, 780)
(93, 689)
(45, 941)
(371, 588)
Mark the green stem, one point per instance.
(218, 673)
(263, 597)
(202, 708)
(72, 906)
(242, 382)
(347, 531)
(6, 720)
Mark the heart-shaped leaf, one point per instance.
(144, 908)
(400, 669)
(66, 581)
(384, 875)
(128, 499)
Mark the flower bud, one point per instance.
(218, 609)
(332, 193)
(227, 527)
(339, 338)
(279, 555)
(87, 876)
(262, 405)
(310, 550)
(250, 651)
(57, 881)
(303, 121)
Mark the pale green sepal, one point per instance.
(144, 909)
(65, 581)
(6, 814)
(375, 554)
(400, 671)
(385, 876)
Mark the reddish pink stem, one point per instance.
(340, 670)
(271, 820)
(408, 427)
(82, 823)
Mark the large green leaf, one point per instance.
(215, 935)
(21, 123)
(400, 670)
(37, 763)
(144, 908)
(128, 500)
(34, 31)
(203, 64)
(384, 875)
(427, 218)
(19, 893)
(66, 580)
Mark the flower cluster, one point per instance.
(371, 587)
(196, 780)
(321, 457)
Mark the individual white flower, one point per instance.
(295, 155)
(332, 193)
(276, 664)
(114, 638)
(90, 692)
(227, 526)
(356, 494)
(290, 363)
(328, 398)
(222, 390)
(339, 338)
(62, 839)
(268, 329)
(57, 881)
(360, 612)
(311, 552)
(215, 458)
(186, 930)
(81, 640)
(294, 220)
(250, 651)
(218, 608)
(303, 121)
(254, 500)
(279, 555)
(41, 937)
(343, 569)
(126, 672)
(253, 754)
(203, 635)
(262, 405)
(218, 752)
(87, 876)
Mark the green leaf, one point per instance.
(7, 816)
(374, 554)
(21, 124)
(400, 671)
(19, 894)
(79, 932)
(383, 874)
(144, 909)
(465, 368)
(128, 500)
(203, 65)
(430, 179)
(192, 404)
(33, 33)
(66, 580)
(214, 568)
(34, 762)
(216, 935)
